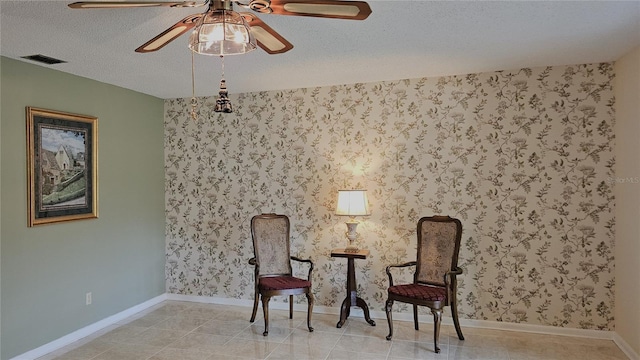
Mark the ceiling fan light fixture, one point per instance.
(222, 32)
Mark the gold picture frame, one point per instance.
(62, 166)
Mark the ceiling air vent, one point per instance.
(43, 59)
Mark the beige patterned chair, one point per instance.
(272, 261)
(434, 281)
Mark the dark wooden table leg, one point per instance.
(352, 299)
(363, 305)
(344, 309)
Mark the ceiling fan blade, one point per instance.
(268, 39)
(352, 10)
(131, 4)
(170, 34)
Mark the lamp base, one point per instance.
(351, 248)
(352, 235)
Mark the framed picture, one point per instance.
(62, 168)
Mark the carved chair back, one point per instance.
(438, 247)
(270, 233)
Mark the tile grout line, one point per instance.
(336, 344)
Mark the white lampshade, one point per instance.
(352, 203)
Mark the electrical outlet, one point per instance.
(88, 298)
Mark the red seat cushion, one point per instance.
(282, 283)
(417, 291)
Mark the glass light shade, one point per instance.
(352, 203)
(222, 32)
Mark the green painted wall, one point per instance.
(119, 257)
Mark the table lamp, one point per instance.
(352, 203)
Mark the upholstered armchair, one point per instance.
(273, 271)
(434, 281)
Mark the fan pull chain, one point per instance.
(223, 104)
(222, 58)
(194, 101)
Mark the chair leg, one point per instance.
(255, 307)
(456, 323)
(387, 309)
(437, 318)
(310, 301)
(265, 310)
(415, 316)
(290, 306)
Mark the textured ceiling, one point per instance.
(400, 39)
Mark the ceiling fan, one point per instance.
(267, 38)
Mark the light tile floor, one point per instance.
(192, 331)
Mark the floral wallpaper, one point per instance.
(523, 158)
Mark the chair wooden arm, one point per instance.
(388, 269)
(256, 271)
(305, 261)
(450, 274)
(454, 272)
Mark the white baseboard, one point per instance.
(249, 303)
(88, 330)
(210, 300)
(484, 324)
(625, 347)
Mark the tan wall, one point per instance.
(627, 192)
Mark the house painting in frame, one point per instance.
(61, 166)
